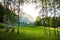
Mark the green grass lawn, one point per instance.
(30, 33)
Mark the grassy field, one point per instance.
(30, 33)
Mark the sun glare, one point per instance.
(30, 9)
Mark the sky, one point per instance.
(0, 0)
(30, 9)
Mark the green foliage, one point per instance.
(8, 14)
(38, 21)
(58, 22)
(1, 13)
(2, 25)
(48, 21)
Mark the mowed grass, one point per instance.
(30, 33)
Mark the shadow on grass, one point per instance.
(24, 36)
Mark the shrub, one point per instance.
(2, 25)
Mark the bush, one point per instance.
(2, 25)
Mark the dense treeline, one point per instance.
(48, 21)
(1, 13)
(7, 15)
